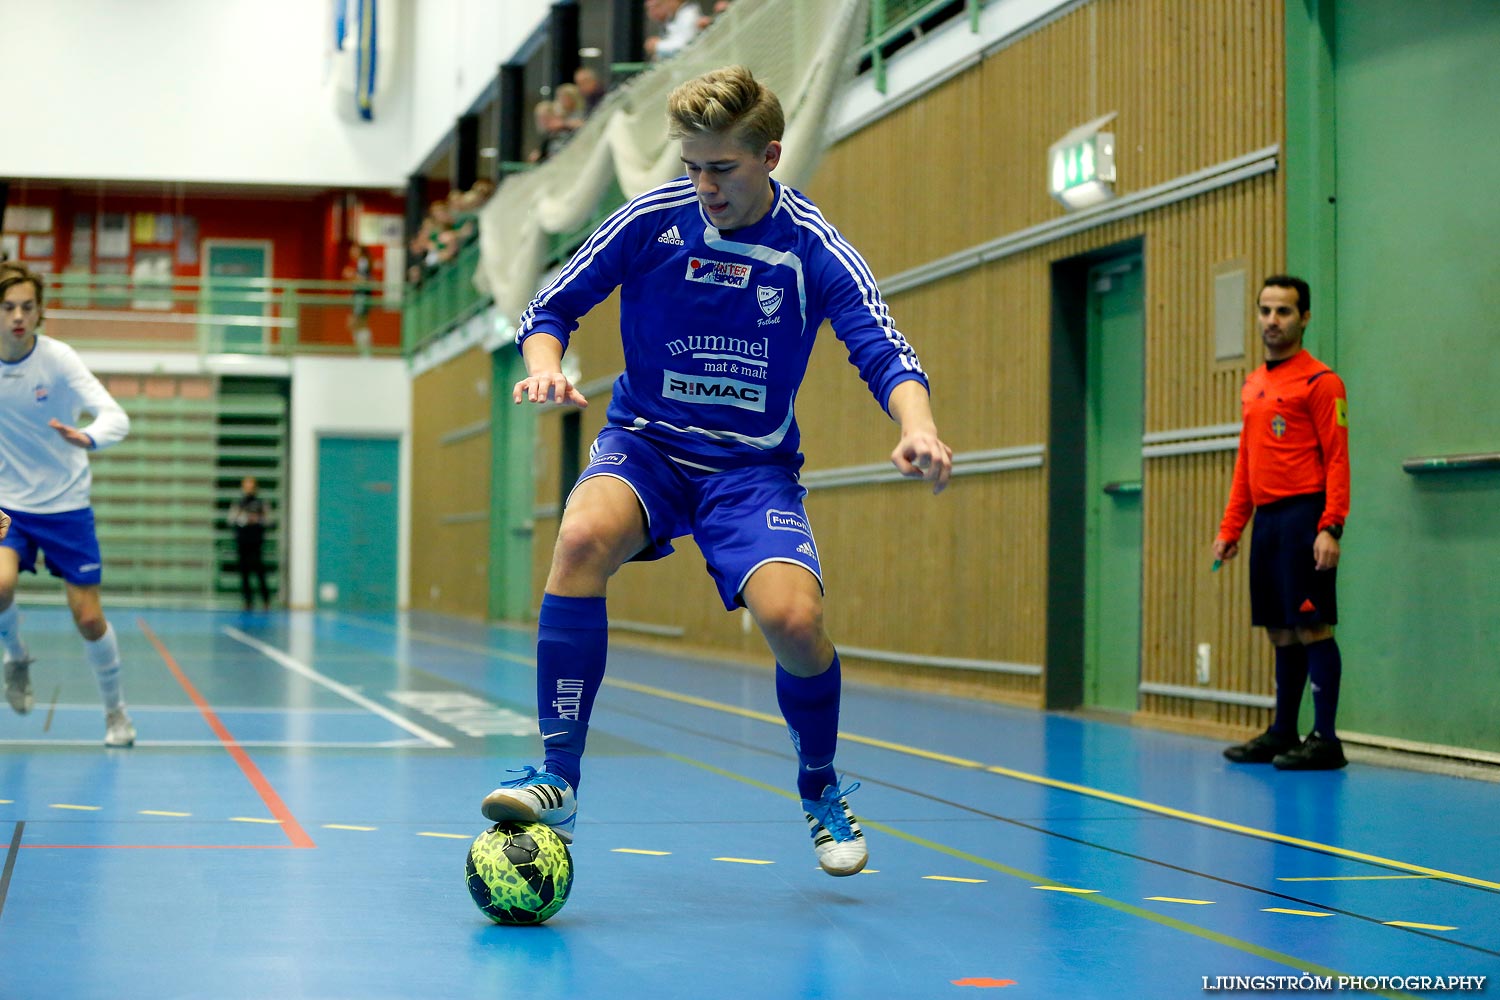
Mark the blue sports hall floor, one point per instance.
(294, 820)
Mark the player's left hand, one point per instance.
(72, 435)
(922, 455)
(1325, 551)
(4, 523)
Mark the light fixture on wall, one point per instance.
(1081, 165)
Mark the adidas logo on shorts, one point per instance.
(671, 236)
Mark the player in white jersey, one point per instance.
(44, 487)
(725, 277)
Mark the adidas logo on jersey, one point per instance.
(806, 549)
(671, 236)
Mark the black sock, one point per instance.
(1291, 678)
(1324, 668)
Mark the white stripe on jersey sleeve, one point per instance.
(673, 195)
(805, 214)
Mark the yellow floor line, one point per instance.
(255, 819)
(745, 861)
(1067, 786)
(63, 805)
(1296, 913)
(446, 836)
(636, 850)
(346, 826)
(1420, 927)
(162, 812)
(954, 878)
(1189, 902)
(1089, 896)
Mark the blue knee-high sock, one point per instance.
(572, 643)
(1291, 678)
(1324, 668)
(810, 706)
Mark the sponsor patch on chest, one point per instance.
(718, 272)
(723, 391)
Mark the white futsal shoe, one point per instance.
(18, 684)
(535, 797)
(119, 731)
(837, 839)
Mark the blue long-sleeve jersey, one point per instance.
(718, 326)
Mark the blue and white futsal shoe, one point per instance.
(535, 797)
(837, 839)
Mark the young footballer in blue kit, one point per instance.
(44, 487)
(725, 278)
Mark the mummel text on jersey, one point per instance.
(718, 326)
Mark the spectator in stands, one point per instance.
(679, 21)
(590, 88)
(720, 6)
(44, 486)
(569, 103)
(248, 517)
(361, 268)
(552, 132)
(474, 199)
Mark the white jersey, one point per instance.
(40, 473)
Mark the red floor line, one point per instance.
(160, 847)
(294, 831)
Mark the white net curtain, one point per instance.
(802, 50)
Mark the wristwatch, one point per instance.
(1336, 530)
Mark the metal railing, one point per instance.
(221, 315)
(892, 20)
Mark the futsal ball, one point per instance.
(519, 873)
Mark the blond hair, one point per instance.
(728, 101)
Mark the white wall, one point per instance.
(459, 46)
(233, 91)
(352, 397)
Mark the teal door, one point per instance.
(357, 523)
(234, 296)
(1116, 422)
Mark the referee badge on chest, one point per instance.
(1278, 426)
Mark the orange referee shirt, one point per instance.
(1294, 441)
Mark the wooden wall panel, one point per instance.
(451, 484)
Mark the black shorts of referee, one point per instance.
(1287, 590)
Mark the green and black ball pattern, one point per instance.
(519, 873)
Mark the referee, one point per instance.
(1292, 475)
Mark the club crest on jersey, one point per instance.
(769, 299)
(718, 272)
(41, 394)
(786, 520)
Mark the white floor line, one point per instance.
(415, 744)
(342, 690)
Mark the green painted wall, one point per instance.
(512, 491)
(1414, 117)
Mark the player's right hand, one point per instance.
(4, 523)
(1225, 550)
(548, 387)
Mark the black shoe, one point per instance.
(1263, 749)
(1316, 754)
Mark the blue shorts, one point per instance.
(67, 541)
(1287, 590)
(740, 518)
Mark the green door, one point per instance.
(1116, 421)
(234, 287)
(357, 523)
